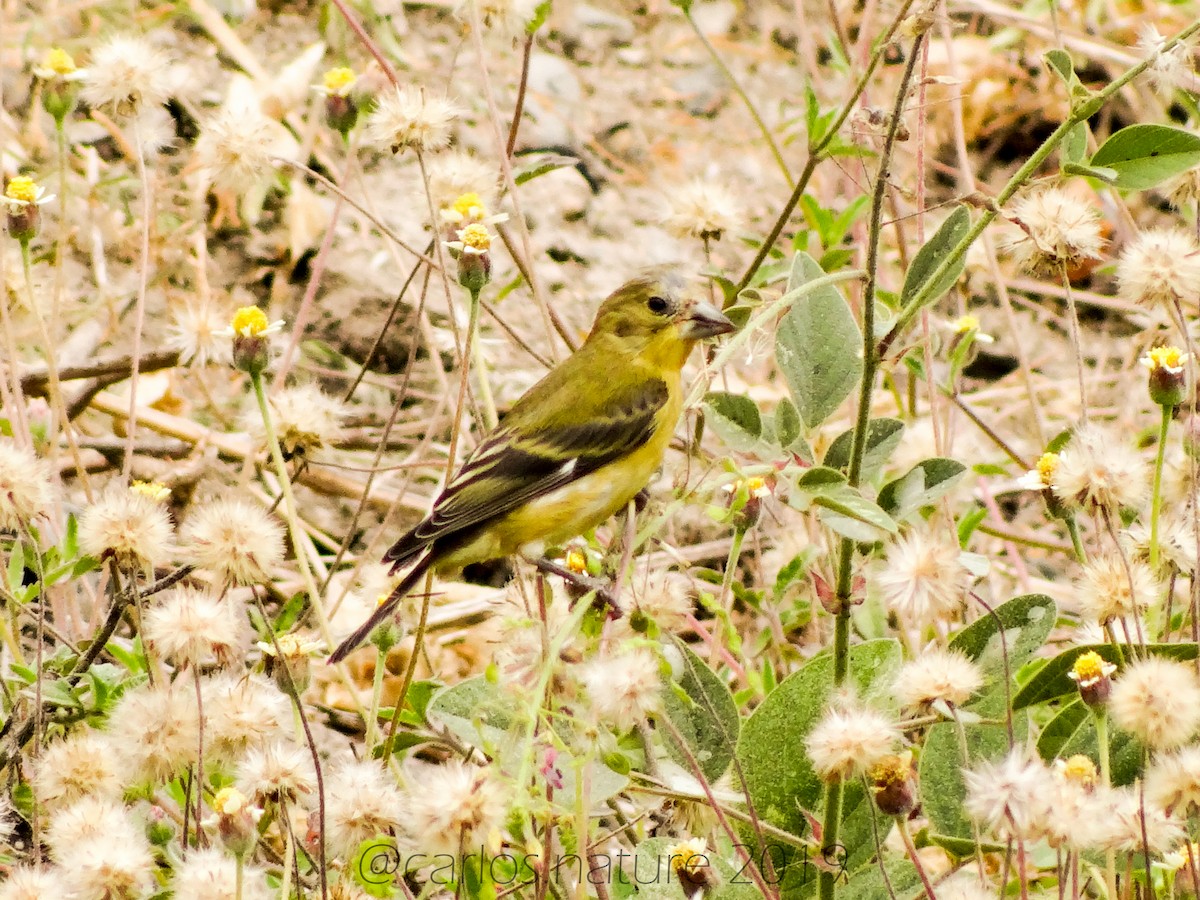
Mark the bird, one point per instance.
(573, 450)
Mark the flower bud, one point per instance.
(341, 109)
(59, 76)
(893, 786)
(251, 339)
(473, 252)
(1092, 673)
(1168, 377)
(236, 821)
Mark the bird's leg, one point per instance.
(583, 582)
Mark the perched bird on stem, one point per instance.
(574, 449)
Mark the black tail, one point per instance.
(386, 608)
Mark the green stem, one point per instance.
(1100, 717)
(1081, 113)
(372, 735)
(735, 551)
(1156, 501)
(1076, 540)
(240, 864)
(737, 88)
(490, 418)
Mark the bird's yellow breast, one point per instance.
(574, 508)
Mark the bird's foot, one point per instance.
(583, 583)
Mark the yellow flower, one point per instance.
(576, 560)
(250, 321)
(338, 82)
(1090, 668)
(1041, 476)
(469, 208)
(688, 856)
(228, 801)
(1170, 359)
(1078, 769)
(58, 61)
(23, 191)
(152, 489)
(476, 237)
(291, 646)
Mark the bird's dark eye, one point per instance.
(658, 305)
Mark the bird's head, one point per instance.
(654, 315)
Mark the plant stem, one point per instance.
(870, 355)
(486, 400)
(910, 848)
(1156, 500)
(376, 693)
(1100, 717)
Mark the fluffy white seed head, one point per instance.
(128, 75)
(211, 874)
(306, 419)
(242, 712)
(1129, 825)
(849, 740)
(89, 819)
(1112, 588)
(624, 687)
(127, 526)
(196, 332)
(155, 730)
(456, 174)
(1161, 268)
(236, 150)
(1158, 701)
(29, 883)
(111, 866)
(1099, 473)
(507, 18)
(276, 772)
(191, 627)
(703, 210)
(234, 539)
(83, 764)
(666, 598)
(456, 805)
(1057, 231)
(937, 674)
(24, 486)
(923, 578)
(361, 802)
(413, 118)
(1173, 781)
(1009, 796)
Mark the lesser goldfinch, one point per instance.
(573, 450)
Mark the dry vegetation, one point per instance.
(909, 616)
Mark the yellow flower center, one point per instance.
(477, 237)
(339, 80)
(1166, 358)
(687, 856)
(889, 771)
(59, 61)
(152, 489)
(576, 560)
(963, 324)
(1080, 769)
(250, 321)
(468, 204)
(290, 645)
(22, 188)
(1088, 667)
(755, 485)
(1047, 465)
(228, 801)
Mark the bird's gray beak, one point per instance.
(703, 320)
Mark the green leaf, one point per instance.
(1108, 176)
(779, 775)
(1060, 730)
(1125, 753)
(827, 488)
(789, 428)
(868, 884)
(818, 346)
(883, 436)
(1147, 155)
(736, 420)
(476, 711)
(1027, 621)
(923, 485)
(375, 866)
(541, 165)
(929, 257)
(700, 706)
(1060, 63)
(819, 477)
(1053, 681)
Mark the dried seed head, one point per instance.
(458, 805)
(306, 419)
(196, 332)
(1098, 473)
(1010, 796)
(702, 210)
(1158, 701)
(24, 486)
(624, 687)
(211, 874)
(236, 150)
(277, 772)
(1057, 232)
(242, 712)
(937, 674)
(234, 539)
(1161, 267)
(191, 627)
(849, 740)
(411, 118)
(155, 730)
(1111, 589)
(84, 764)
(128, 75)
(361, 802)
(128, 527)
(1173, 782)
(923, 578)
